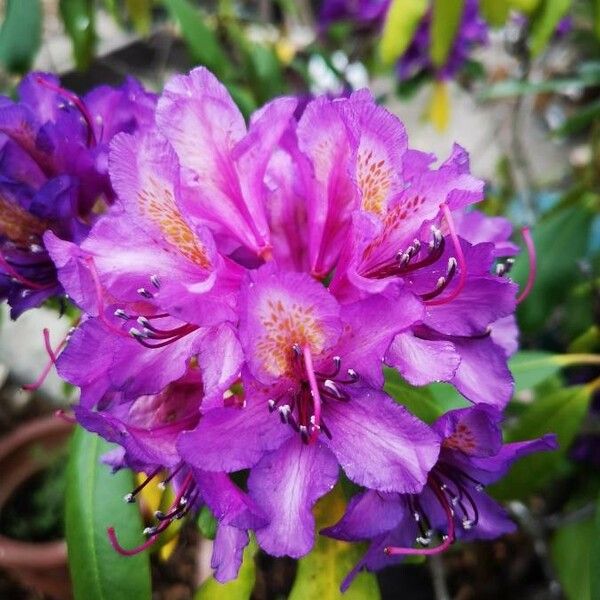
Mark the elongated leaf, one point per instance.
(526, 6)
(402, 20)
(428, 402)
(594, 565)
(238, 589)
(445, 21)
(78, 17)
(530, 368)
(543, 26)
(559, 412)
(140, 12)
(20, 35)
(200, 39)
(571, 556)
(439, 106)
(596, 5)
(321, 572)
(495, 12)
(560, 241)
(94, 502)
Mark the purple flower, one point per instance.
(248, 284)
(364, 12)
(53, 172)
(452, 503)
(312, 378)
(368, 14)
(472, 31)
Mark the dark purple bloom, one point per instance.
(363, 12)
(452, 503)
(472, 31)
(54, 172)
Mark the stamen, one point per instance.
(447, 539)
(131, 496)
(18, 278)
(314, 388)
(526, 233)
(114, 542)
(144, 293)
(53, 355)
(459, 257)
(78, 103)
(155, 281)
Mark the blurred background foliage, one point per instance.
(262, 49)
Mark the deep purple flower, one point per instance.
(452, 503)
(311, 383)
(363, 12)
(472, 31)
(53, 173)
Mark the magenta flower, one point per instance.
(244, 291)
(53, 172)
(453, 502)
(312, 379)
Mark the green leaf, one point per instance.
(571, 557)
(94, 502)
(321, 572)
(140, 12)
(580, 120)
(560, 241)
(200, 39)
(78, 17)
(238, 589)
(207, 523)
(596, 9)
(495, 12)
(402, 20)
(594, 561)
(545, 22)
(265, 72)
(531, 367)
(526, 6)
(428, 402)
(560, 412)
(20, 35)
(445, 21)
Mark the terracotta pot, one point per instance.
(26, 451)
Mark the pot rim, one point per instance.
(18, 553)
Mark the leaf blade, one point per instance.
(402, 20)
(94, 501)
(20, 35)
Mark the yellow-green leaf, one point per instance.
(445, 21)
(545, 22)
(401, 22)
(140, 12)
(495, 12)
(439, 106)
(526, 6)
(321, 572)
(594, 565)
(238, 589)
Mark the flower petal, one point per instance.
(378, 443)
(286, 483)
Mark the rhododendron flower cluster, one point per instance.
(241, 297)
